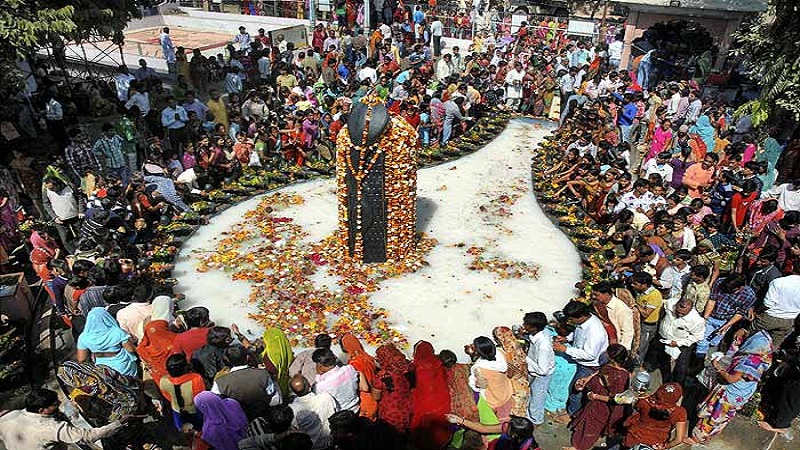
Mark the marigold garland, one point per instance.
(398, 145)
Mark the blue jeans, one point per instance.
(575, 400)
(625, 132)
(712, 325)
(447, 130)
(538, 387)
(643, 74)
(123, 173)
(425, 135)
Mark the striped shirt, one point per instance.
(111, 150)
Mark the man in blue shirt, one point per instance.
(419, 19)
(174, 119)
(419, 16)
(626, 119)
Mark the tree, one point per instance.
(27, 25)
(770, 46)
(24, 24)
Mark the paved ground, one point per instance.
(147, 41)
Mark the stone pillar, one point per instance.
(627, 40)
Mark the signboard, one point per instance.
(324, 5)
(297, 34)
(581, 27)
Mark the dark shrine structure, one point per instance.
(376, 179)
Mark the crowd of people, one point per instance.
(702, 217)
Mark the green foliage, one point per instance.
(26, 25)
(771, 48)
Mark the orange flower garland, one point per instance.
(398, 145)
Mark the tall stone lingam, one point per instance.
(376, 176)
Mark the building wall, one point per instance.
(719, 29)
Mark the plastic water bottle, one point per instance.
(641, 382)
(69, 410)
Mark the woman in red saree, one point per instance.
(156, 345)
(430, 400)
(600, 416)
(365, 365)
(392, 388)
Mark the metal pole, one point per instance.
(366, 17)
(312, 13)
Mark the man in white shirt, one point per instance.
(583, 145)
(243, 39)
(615, 53)
(368, 72)
(39, 427)
(139, 99)
(437, 31)
(608, 85)
(670, 283)
(781, 307)
(659, 165)
(311, 411)
(620, 314)
(681, 328)
(168, 50)
(341, 382)
(589, 342)
(514, 79)
(639, 200)
(541, 363)
(444, 67)
(123, 81)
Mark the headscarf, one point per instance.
(705, 130)
(430, 399)
(754, 356)
(224, 422)
(424, 357)
(391, 359)
(279, 351)
(163, 309)
(102, 333)
(359, 358)
(668, 394)
(365, 364)
(515, 356)
(156, 346)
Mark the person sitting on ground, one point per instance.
(179, 387)
(311, 411)
(303, 363)
(40, 426)
(341, 382)
(209, 360)
(252, 387)
(515, 434)
(197, 319)
(264, 431)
